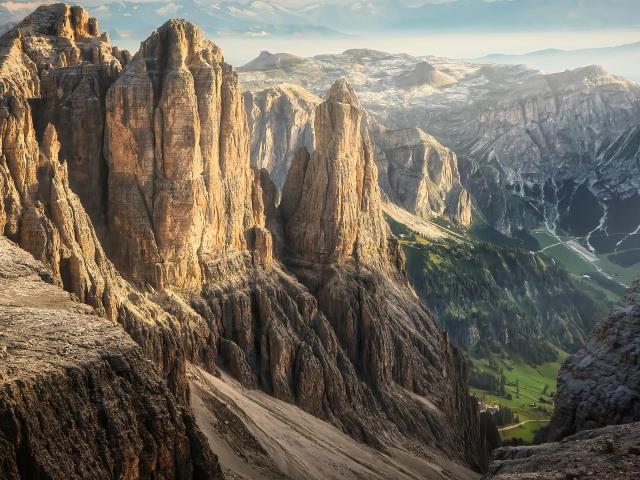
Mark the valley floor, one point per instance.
(531, 389)
(595, 268)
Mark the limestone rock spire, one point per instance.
(330, 201)
(178, 152)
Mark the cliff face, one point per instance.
(77, 397)
(415, 171)
(338, 244)
(66, 67)
(179, 185)
(421, 175)
(600, 385)
(331, 205)
(40, 209)
(308, 302)
(280, 122)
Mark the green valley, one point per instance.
(529, 391)
(516, 312)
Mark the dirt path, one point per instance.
(510, 427)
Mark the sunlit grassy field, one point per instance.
(525, 402)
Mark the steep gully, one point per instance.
(307, 302)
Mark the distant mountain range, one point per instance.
(621, 60)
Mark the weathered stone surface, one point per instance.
(71, 65)
(416, 171)
(337, 214)
(600, 385)
(77, 397)
(177, 145)
(280, 122)
(40, 210)
(421, 175)
(609, 453)
(337, 243)
(519, 134)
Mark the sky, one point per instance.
(452, 28)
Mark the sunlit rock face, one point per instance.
(60, 363)
(533, 149)
(331, 205)
(177, 147)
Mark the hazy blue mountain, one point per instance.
(621, 60)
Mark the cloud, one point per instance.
(18, 6)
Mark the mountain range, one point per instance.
(620, 59)
(533, 149)
(208, 274)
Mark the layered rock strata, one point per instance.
(180, 185)
(39, 209)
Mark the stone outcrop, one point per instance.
(415, 171)
(605, 453)
(600, 385)
(280, 122)
(420, 175)
(331, 204)
(594, 431)
(338, 244)
(531, 146)
(74, 65)
(40, 210)
(77, 397)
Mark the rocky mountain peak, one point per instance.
(177, 43)
(342, 92)
(280, 121)
(330, 200)
(179, 190)
(63, 20)
(158, 153)
(60, 35)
